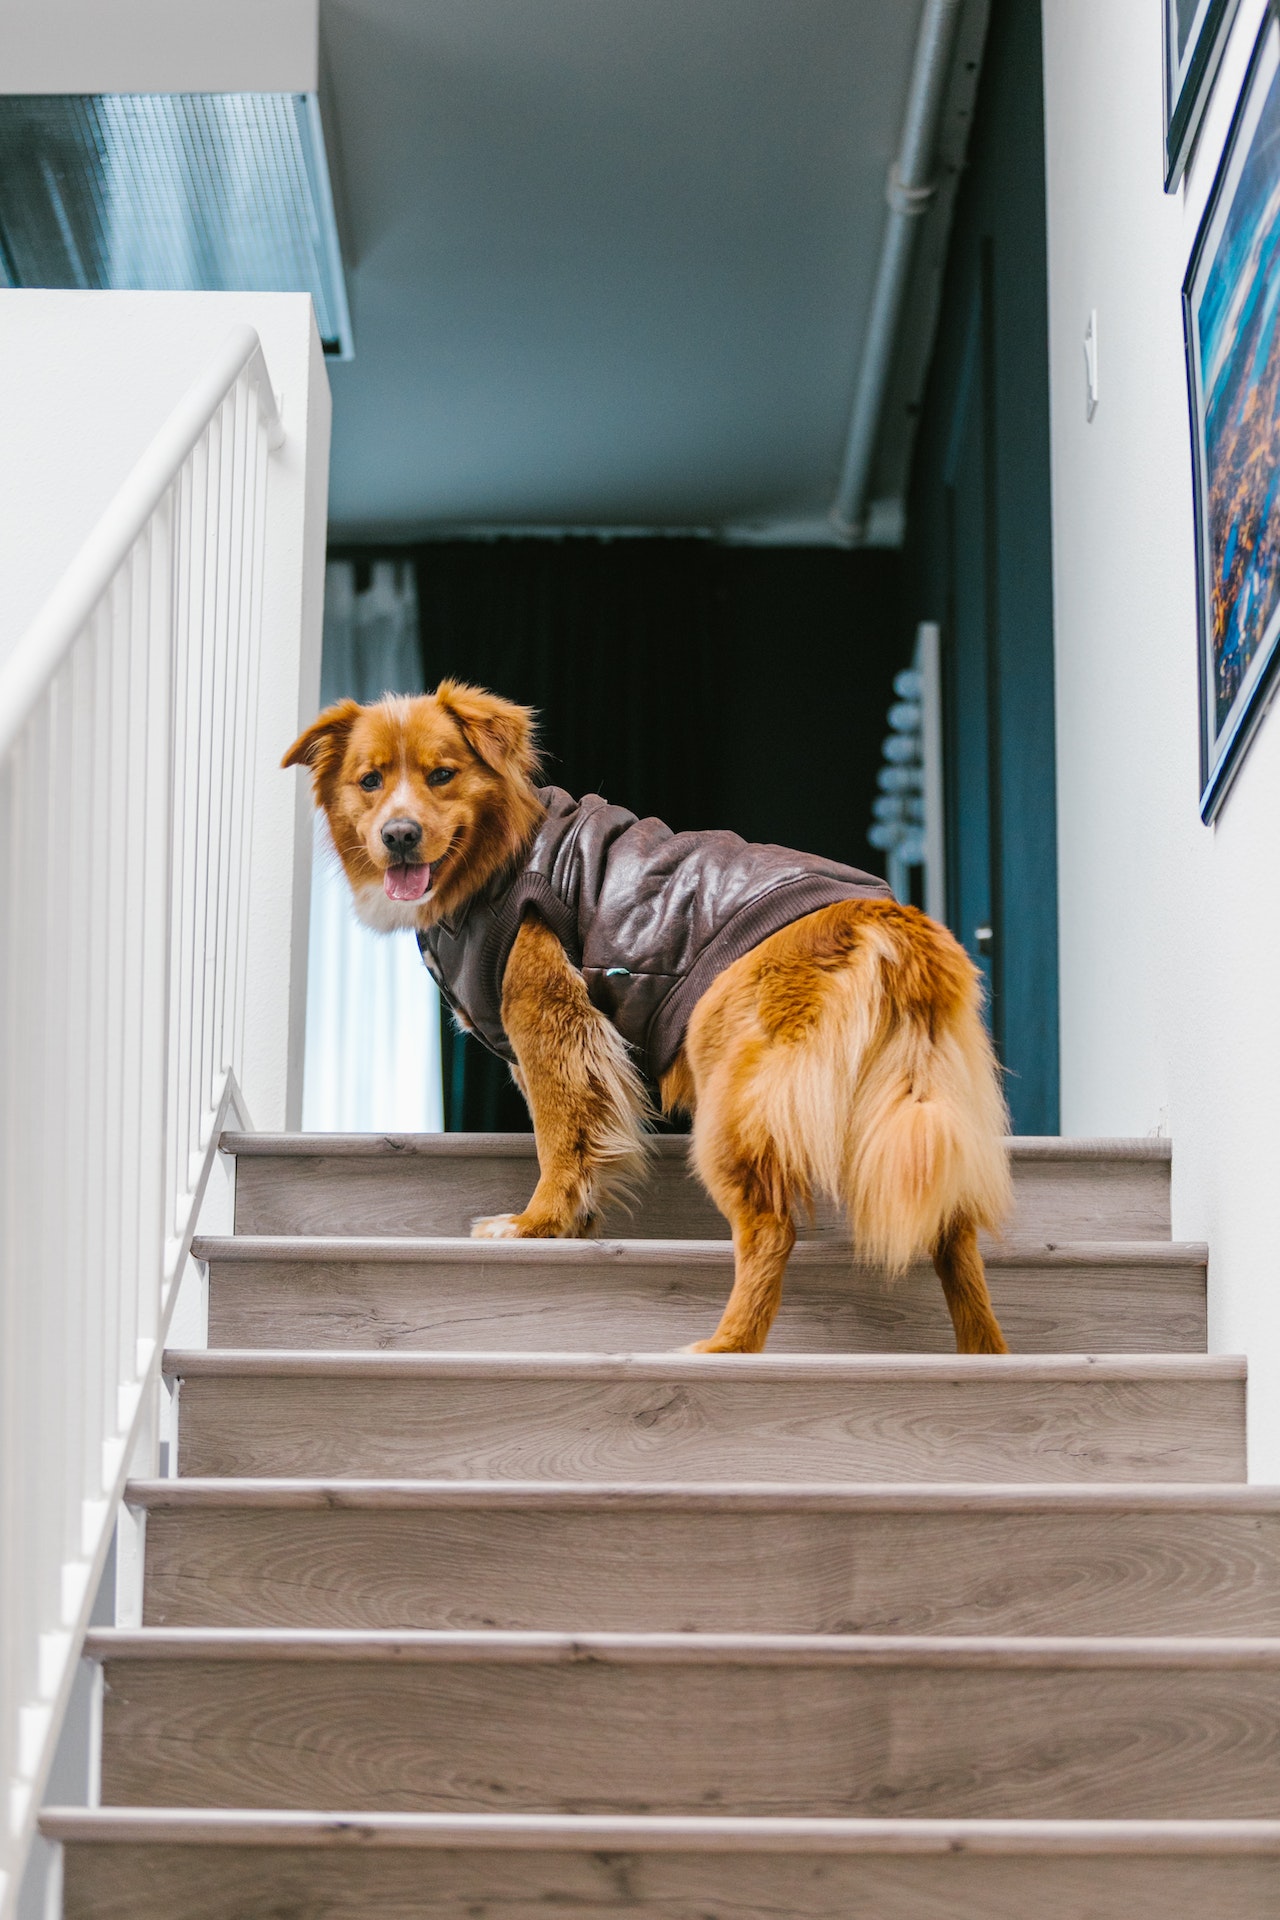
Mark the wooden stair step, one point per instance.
(509, 1295)
(438, 1183)
(460, 1607)
(751, 1725)
(167, 1864)
(790, 1559)
(664, 1416)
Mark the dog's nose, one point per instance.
(402, 837)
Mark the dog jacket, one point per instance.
(649, 916)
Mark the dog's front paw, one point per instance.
(500, 1226)
(535, 1223)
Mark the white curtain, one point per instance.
(373, 1017)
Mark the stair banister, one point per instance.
(129, 762)
(26, 672)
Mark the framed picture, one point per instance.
(1231, 317)
(1195, 32)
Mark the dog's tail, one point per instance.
(927, 1126)
(893, 1105)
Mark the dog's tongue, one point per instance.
(406, 883)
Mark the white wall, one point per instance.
(87, 380)
(1170, 930)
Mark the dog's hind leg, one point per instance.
(585, 1097)
(762, 1243)
(751, 1193)
(715, 1078)
(958, 1264)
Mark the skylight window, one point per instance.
(179, 192)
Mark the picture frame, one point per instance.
(1231, 325)
(1195, 32)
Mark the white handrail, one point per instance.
(33, 661)
(129, 764)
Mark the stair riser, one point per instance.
(414, 1193)
(803, 1572)
(990, 1428)
(947, 1741)
(573, 1307)
(126, 1882)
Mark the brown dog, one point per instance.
(843, 1053)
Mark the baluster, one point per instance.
(126, 818)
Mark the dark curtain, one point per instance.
(609, 640)
(714, 686)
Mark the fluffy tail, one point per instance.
(926, 1143)
(892, 1103)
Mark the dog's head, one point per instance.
(425, 798)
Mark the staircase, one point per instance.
(471, 1599)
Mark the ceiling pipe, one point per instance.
(909, 190)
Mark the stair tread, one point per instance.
(373, 1362)
(966, 1496)
(470, 1415)
(656, 1832)
(663, 1146)
(445, 1249)
(505, 1647)
(364, 1184)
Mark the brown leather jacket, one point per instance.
(650, 916)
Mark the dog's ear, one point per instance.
(497, 730)
(323, 744)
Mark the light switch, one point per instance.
(1091, 365)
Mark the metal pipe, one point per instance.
(909, 191)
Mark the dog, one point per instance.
(823, 1038)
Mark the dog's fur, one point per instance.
(844, 1056)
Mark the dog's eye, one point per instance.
(440, 776)
(371, 781)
